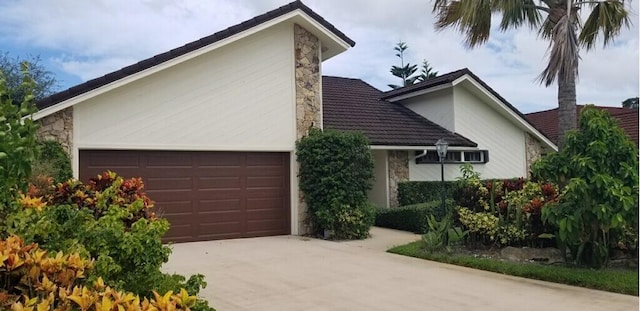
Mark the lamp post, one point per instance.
(441, 148)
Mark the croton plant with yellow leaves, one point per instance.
(32, 279)
(111, 220)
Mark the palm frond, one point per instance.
(471, 17)
(564, 52)
(607, 18)
(515, 13)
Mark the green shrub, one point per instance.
(336, 171)
(411, 218)
(32, 279)
(17, 142)
(52, 161)
(597, 171)
(110, 220)
(413, 192)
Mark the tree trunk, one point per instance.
(567, 112)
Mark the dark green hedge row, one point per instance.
(411, 217)
(413, 192)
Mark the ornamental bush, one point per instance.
(597, 172)
(336, 171)
(34, 279)
(412, 218)
(17, 142)
(52, 161)
(504, 212)
(110, 219)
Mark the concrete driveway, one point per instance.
(297, 273)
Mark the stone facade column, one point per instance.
(58, 127)
(308, 97)
(533, 151)
(398, 172)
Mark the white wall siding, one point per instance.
(379, 194)
(482, 124)
(237, 97)
(436, 107)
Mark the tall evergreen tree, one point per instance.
(427, 71)
(404, 71)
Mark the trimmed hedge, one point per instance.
(413, 192)
(411, 218)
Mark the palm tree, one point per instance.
(557, 21)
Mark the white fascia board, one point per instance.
(454, 148)
(514, 116)
(295, 15)
(419, 92)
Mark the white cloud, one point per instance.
(90, 38)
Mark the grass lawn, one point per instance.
(612, 280)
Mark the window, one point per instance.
(454, 156)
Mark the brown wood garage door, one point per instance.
(206, 195)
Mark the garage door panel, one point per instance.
(218, 172)
(169, 183)
(168, 160)
(161, 196)
(265, 203)
(220, 159)
(264, 214)
(265, 181)
(175, 208)
(222, 182)
(220, 194)
(219, 205)
(265, 160)
(111, 162)
(264, 171)
(206, 195)
(265, 193)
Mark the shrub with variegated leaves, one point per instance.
(109, 219)
(33, 279)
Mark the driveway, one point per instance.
(296, 273)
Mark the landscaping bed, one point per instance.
(623, 281)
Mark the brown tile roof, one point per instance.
(449, 78)
(189, 47)
(547, 121)
(354, 105)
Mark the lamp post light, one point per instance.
(441, 148)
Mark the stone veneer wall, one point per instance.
(398, 172)
(58, 127)
(533, 150)
(308, 97)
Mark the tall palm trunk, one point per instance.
(567, 112)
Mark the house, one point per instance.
(216, 146)
(547, 121)
(481, 127)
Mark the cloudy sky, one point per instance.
(80, 40)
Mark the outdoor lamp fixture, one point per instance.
(441, 148)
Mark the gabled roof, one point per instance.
(453, 78)
(354, 105)
(187, 48)
(547, 121)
